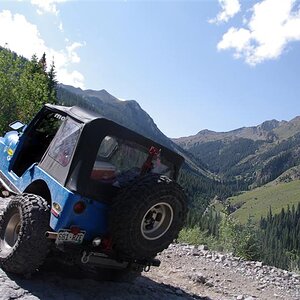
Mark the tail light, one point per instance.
(79, 207)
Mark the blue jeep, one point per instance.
(88, 190)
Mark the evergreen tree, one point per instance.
(43, 62)
(280, 235)
(52, 85)
(25, 87)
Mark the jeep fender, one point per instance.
(40, 188)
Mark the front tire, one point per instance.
(23, 245)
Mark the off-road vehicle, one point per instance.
(87, 190)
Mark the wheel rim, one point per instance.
(156, 221)
(12, 231)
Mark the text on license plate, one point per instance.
(67, 236)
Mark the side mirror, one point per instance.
(17, 125)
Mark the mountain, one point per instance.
(249, 156)
(262, 132)
(128, 113)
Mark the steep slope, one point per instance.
(250, 156)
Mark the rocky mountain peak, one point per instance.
(269, 125)
(205, 132)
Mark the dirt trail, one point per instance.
(186, 272)
(57, 286)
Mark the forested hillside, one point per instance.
(249, 156)
(265, 156)
(280, 236)
(24, 87)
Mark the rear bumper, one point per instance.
(105, 261)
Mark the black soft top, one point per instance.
(75, 112)
(95, 122)
(86, 116)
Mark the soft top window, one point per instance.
(117, 158)
(65, 142)
(107, 147)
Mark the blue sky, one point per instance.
(191, 65)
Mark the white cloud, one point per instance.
(24, 38)
(60, 27)
(73, 78)
(272, 26)
(229, 9)
(47, 6)
(72, 55)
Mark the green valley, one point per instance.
(256, 203)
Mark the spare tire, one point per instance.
(147, 216)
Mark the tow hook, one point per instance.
(85, 257)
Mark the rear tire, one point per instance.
(23, 245)
(147, 216)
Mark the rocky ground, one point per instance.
(196, 270)
(186, 272)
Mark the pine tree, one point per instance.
(25, 87)
(280, 238)
(52, 85)
(43, 63)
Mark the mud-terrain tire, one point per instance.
(147, 216)
(23, 245)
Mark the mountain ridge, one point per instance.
(128, 113)
(264, 131)
(252, 155)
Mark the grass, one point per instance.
(192, 236)
(256, 203)
(195, 236)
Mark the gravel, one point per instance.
(186, 272)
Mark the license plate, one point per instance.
(69, 237)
